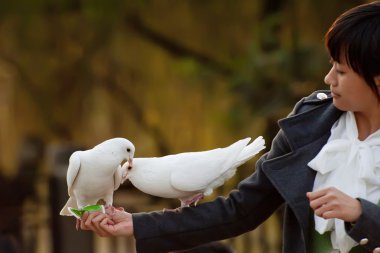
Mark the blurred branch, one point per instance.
(31, 88)
(173, 47)
(137, 112)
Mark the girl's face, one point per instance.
(349, 90)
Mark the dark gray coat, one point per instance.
(281, 177)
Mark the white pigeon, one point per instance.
(96, 173)
(193, 175)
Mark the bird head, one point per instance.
(121, 147)
(127, 166)
(129, 151)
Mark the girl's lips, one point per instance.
(334, 95)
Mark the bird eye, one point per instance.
(128, 150)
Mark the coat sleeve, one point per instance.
(366, 230)
(244, 209)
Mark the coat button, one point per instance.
(363, 241)
(321, 96)
(376, 250)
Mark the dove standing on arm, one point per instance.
(96, 173)
(190, 176)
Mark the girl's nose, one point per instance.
(330, 78)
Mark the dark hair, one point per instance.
(355, 35)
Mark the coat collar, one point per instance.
(305, 127)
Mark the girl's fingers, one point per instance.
(91, 217)
(322, 210)
(77, 224)
(102, 224)
(318, 194)
(329, 214)
(321, 198)
(318, 203)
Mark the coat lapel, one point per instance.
(306, 133)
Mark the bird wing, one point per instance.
(72, 171)
(250, 151)
(195, 171)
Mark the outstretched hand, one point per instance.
(115, 222)
(331, 203)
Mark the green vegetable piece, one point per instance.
(78, 213)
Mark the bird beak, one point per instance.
(130, 162)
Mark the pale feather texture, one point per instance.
(189, 176)
(96, 173)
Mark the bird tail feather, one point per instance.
(251, 150)
(70, 203)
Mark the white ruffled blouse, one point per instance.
(350, 165)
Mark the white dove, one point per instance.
(193, 175)
(96, 173)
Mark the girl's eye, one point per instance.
(339, 72)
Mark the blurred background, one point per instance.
(171, 76)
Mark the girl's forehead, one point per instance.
(342, 60)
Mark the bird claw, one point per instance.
(193, 201)
(109, 207)
(176, 210)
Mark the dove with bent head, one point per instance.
(96, 173)
(190, 176)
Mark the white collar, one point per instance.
(351, 166)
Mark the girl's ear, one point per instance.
(377, 80)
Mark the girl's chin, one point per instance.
(340, 106)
